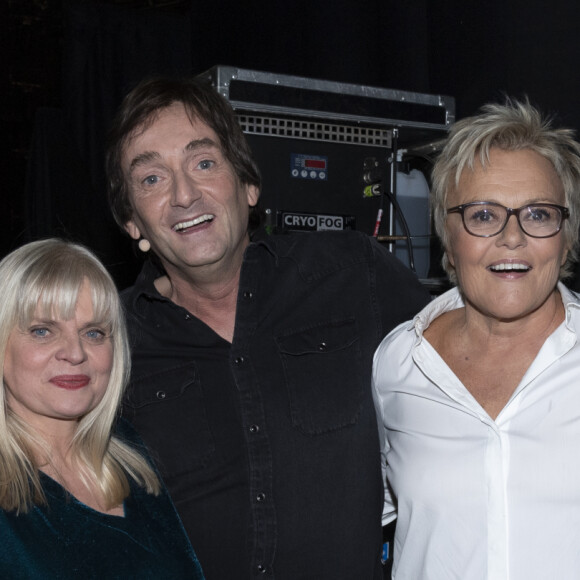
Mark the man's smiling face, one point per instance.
(186, 198)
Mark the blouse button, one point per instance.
(160, 394)
(240, 360)
(248, 295)
(254, 428)
(261, 568)
(322, 346)
(261, 497)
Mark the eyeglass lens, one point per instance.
(489, 219)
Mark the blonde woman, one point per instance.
(78, 498)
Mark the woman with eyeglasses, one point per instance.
(480, 421)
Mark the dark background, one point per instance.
(67, 64)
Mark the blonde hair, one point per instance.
(512, 126)
(47, 276)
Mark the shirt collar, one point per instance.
(144, 287)
(571, 302)
(452, 300)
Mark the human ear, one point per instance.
(132, 229)
(253, 193)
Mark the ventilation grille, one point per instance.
(314, 131)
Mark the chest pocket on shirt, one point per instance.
(322, 366)
(168, 410)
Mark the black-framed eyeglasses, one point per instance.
(485, 219)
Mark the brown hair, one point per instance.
(139, 110)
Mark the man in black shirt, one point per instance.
(251, 361)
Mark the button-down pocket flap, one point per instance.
(168, 409)
(328, 337)
(322, 369)
(165, 385)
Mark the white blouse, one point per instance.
(477, 498)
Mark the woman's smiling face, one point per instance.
(510, 275)
(55, 370)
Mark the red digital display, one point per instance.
(315, 163)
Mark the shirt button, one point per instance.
(261, 497)
(187, 316)
(240, 360)
(261, 568)
(254, 428)
(322, 346)
(248, 295)
(160, 394)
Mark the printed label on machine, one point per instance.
(308, 167)
(313, 222)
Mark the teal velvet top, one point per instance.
(67, 539)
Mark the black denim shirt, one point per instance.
(269, 445)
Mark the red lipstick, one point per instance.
(70, 382)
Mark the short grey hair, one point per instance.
(512, 126)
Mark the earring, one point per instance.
(144, 245)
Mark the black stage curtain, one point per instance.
(106, 50)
